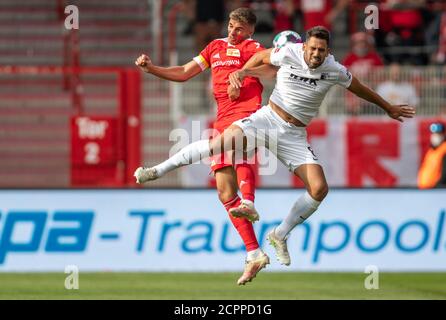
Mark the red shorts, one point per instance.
(224, 159)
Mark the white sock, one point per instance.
(254, 254)
(301, 210)
(189, 154)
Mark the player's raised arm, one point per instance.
(174, 73)
(258, 66)
(397, 112)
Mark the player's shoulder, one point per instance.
(218, 42)
(333, 64)
(250, 44)
(335, 69)
(299, 47)
(291, 49)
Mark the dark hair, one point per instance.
(319, 32)
(245, 15)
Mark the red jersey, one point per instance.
(223, 59)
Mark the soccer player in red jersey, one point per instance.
(224, 56)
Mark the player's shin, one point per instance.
(243, 226)
(191, 153)
(302, 209)
(246, 178)
(246, 182)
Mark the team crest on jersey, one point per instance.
(329, 76)
(233, 52)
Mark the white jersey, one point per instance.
(300, 90)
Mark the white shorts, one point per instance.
(287, 141)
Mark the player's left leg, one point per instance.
(246, 177)
(314, 179)
(227, 192)
(293, 150)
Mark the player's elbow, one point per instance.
(184, 74)
(182, 78)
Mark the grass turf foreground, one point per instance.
(221, 286)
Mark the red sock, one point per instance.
(243, 226)
(246, 178)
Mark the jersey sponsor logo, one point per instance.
(220, 63)
(312, 83)
(233, 52)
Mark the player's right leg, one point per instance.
(194, 152)
(256, 259)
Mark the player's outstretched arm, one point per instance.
(175, 73)
(258, 66)
(397, 112)
(264, 71)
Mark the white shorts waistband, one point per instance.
(283, 122)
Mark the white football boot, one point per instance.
(253, 267)
(143, 174)
(246, 210)
(280, 248)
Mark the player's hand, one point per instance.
(144, 63)
(233, 93)
(236, 78)
(400, 111)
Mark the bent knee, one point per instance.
(319, 191)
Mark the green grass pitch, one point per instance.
(219, 286)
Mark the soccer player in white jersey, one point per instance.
(306, 73)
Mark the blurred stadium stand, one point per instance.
(36, 106)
